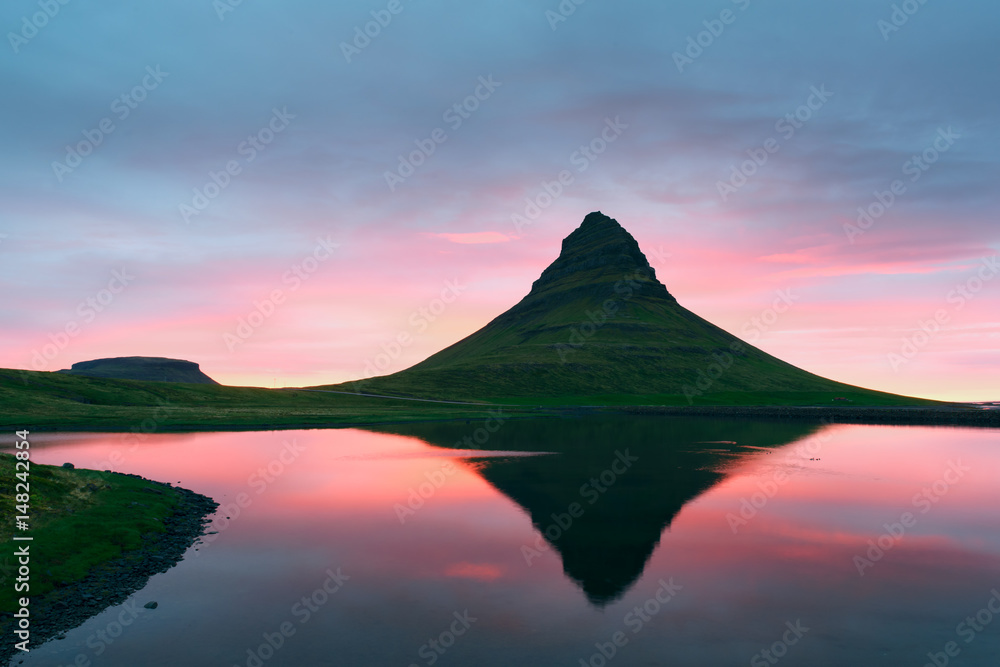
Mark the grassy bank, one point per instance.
(54, 401)
(51, 401)
(78, 519)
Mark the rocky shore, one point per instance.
(111, 583)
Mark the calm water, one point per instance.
(561, 542)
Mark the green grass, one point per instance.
(50, 401)
(653, 353)
(78, 519)
(862, 398)
(53, 401)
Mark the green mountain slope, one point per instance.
(598, 325)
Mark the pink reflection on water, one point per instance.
(332, 501)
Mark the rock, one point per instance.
(150, 605)
(68, 466)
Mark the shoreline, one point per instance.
(114, 581)
(957, 415)
(875, 416)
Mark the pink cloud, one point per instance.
(798, 257)
(474, 238)
(477, 571)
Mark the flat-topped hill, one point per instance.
(156, 369)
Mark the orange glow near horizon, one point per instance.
(853, 309)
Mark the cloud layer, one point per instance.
(316, 174)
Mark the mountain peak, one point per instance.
(597, 252)
(598, 324)
(598, 219)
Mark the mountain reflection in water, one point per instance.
(610, 488)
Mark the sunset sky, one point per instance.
(222, 181)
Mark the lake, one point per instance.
(588, 541)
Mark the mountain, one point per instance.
(629, 478)
(158, 369)
(598, 325)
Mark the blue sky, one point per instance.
(224, 76)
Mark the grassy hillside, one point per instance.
(42, 400)
(598, 327)
(53, 401)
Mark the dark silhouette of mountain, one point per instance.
(157, 369)
(597, 323)
(629, 477)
